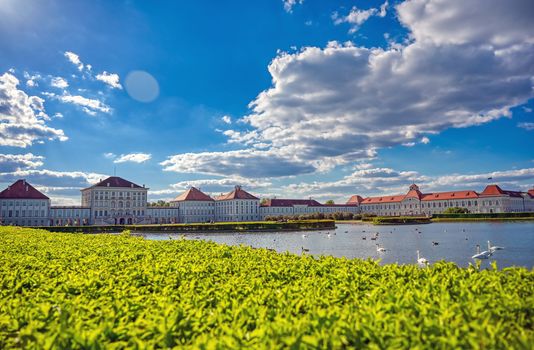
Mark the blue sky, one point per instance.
(321, 99)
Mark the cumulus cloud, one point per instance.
(425, 140)
(88, 105)
(52, 178)
(74, 59)
(356, 17)
(289, 4)
(59, 82)
(23, 118)
(340, 104)
(526, 126)
(15, 162)
(248, 163)
(133, 158)
(387, 181)
(111, 79)
(214, 185)
(227, 119)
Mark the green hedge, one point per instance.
(400, 220)
(202, 227)
(63, 291)
(485, 215)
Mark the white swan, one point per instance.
(421, 260)
(481, 255)
(380, 249)
(492, 249)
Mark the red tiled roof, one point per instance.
(193, 194)
(495, 190)
(385, 199)
(438, 196)
(355, 200)
(531, 192)
(237, 193)
(22, 190)
(115, 181)
(414, 194)
(291, 202)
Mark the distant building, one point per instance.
(23, 205)
(237, 205)
(194, 206)
(116, 201)
(492, 200)
(119, 201)
(292, 207)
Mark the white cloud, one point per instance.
(224, 184)
(387, 181)
(357, 17)
(289, 4)
(322, 108)
(227, 119)
(52, 178)
(133, 158)
(112, 79)
(88, 105)
(526, 126)
(59, 83)
(74, 59)
(15, 162)
(110, 155)
(501, 24)
(247, 163)
(22, 117)
(425, 140)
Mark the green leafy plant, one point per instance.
(106, 291)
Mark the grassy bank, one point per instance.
(111, 291)
(400, 220)
(482, 219)
(202, 227)
(485, 215)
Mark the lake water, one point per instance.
(456, 242)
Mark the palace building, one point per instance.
(116, 201)
(491, 200)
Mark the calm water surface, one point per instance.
(456, 242)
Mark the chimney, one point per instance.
(108, 184)
(131, 185)
(26, 188)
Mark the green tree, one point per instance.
(329, 202)
(456, 210)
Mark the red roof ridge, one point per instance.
(237, 193)
(193, 194)
(21, 189)
(115, 181)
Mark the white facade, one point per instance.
(116, 201)
(237, 206)
(295, 207)
(492, 200)
(71, 216)
(24, 212)
(161, 215)
(22, 205)
(196, 211)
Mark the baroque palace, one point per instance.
(118, 201)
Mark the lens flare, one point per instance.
(142, 86)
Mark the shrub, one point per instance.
(105, 291)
